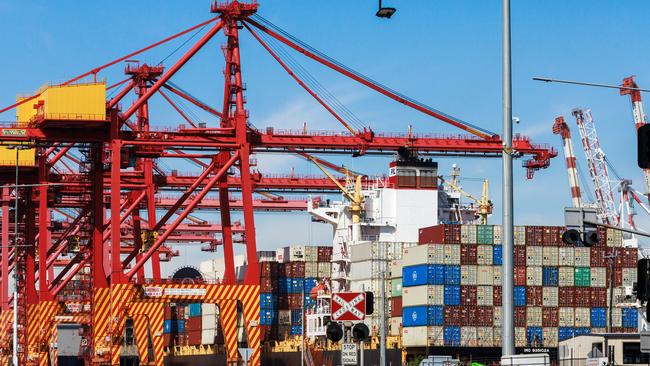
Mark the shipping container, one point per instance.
(468, 295)
(485, 275)
(423, 295)
(550, 276)
(468, 275)
(395, 268)
(550, 256)
(534, 316)
(497, 254)
(520, 256)
(396, 287)
(484, 296)
(468, 337)
(629, 276)
(485, 335)
(582, 277)
(534, 336)
(395, 328)
(311, 269)
(497, 316)
(566, 256)
(468, 254)
(599, 276)
(520, 276)
(550, 337)
(597, 256)
(629, 317)
(498, 235)
(484, 234)
(440, 234)
(452, 254)
(617, 317)
(534, 296)
(452, 274)
(422, 336)
(284, 317)
(550, 296)
(598, 317)
(267, 301)
(599, 296)
(520, 296)
(582, 317)
(534, 256)
(520, 316)
(566, 276)
(533, 276)
(416, 275)
(452, 336)
(520, 235)
(324, 254)
(550, 316)
(566, 317)
(484, 255)
(395, 306)
(414, 316)
(452, 295)
(468, 235)
(520, 335)
(496, 275)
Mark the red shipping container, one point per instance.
(496, 291)
(268, 269)
(485, 316)
(534, 296)
(618, 276)
(468, 254)
(602, 236)
(582, 296)
(520, 275)
(268, 284)
(180, 311)
(325, 254)
(167, 340)
(285, 270)
(550, 317)
(193, 337)
(440, 234)
(396, 306)
(598, 296)
(597, 257)
(520, 255)
(468, 295)
(295, 301)
(566, 296)
(632, 257)
(468, 315)
(520, 316)
(452, 315)
(283, 301)
(167, 312)
(297, 269)
(192, 324)
(550, 235)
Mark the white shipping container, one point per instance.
(266, 256)
(311, 254)
(497, 275)
(533, 276)
(484, 254)
(436, 336)
(565, 276)
(284, 317)
(282, 255)
(549, 336)
(468, 336)
(297, 253)
(533, 255)
(520, 337)
(361, 251)
(452, 253)
(617, 317)
(361, 270)
(497, 336)
(468, 234)
(416, 255)
(208, 308)
(629, 276)
(498, 234)
(614, 238)
(497, 314)
(423, 295)
(395, 268)
(566, 317)
(415, 336)
(566, 256)
(208, 336)
(485, 335)
(485, 275)
(468, 275)
(520, 235)
(209, 321)
(534, 316)
(484, 295)
(550, 256)
(550, 296)
(324, 269)
(582, 317)
(599, 276)
(311, 269)
(395, 326)
(582, 257)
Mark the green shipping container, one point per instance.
(582, 277)
(396, 287)
(484, 234)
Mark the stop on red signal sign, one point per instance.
(349, 306)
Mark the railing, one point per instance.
(30, 163)
(69, 116)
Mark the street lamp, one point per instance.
(385, 12)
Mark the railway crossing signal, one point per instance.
(349, 306)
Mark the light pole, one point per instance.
(507, 330)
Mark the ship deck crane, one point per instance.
(485, 205)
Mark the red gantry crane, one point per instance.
(100, 170)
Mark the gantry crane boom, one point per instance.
(561, 128)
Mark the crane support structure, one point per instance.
(96, 212)
(561, 128)
(639, 118)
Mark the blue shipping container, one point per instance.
(310, 283)
(296, 329)
(436, 274)
(284, 285)
(630, 318)
(598, 317)
(452, 335)
(534, 336)
(296, 317)
(268, 317)
(520, 296)
(171, 326)
(565, 333)
(414, 316)
(268, 300)
(309, 303)
(452, 295)
(436, 315)
(550, 276)
(195, 309)
(583, 331)
(497, 255)
(452, 274)
(297, 286)
(415, 275)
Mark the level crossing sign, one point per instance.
(349, 306)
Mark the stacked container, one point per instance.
(559, 290)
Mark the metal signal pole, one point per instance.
(508, 330)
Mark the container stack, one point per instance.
(369, 267)
(174, 325)
(395, 270)
(285, 287)
(452, 287)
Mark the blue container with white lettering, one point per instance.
(598, 317)
(414, 316)
(497, 255)
(550, 276)
(630, 318)
(520, 296)
(436, 274)
(452, 274)
(415, 275)
(452, 295)
(534, 336)
(565, 333)
(436, 315)
(452, 335)
(582, 331)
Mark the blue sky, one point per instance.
(444, 53)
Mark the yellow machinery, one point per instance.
(485, 205)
